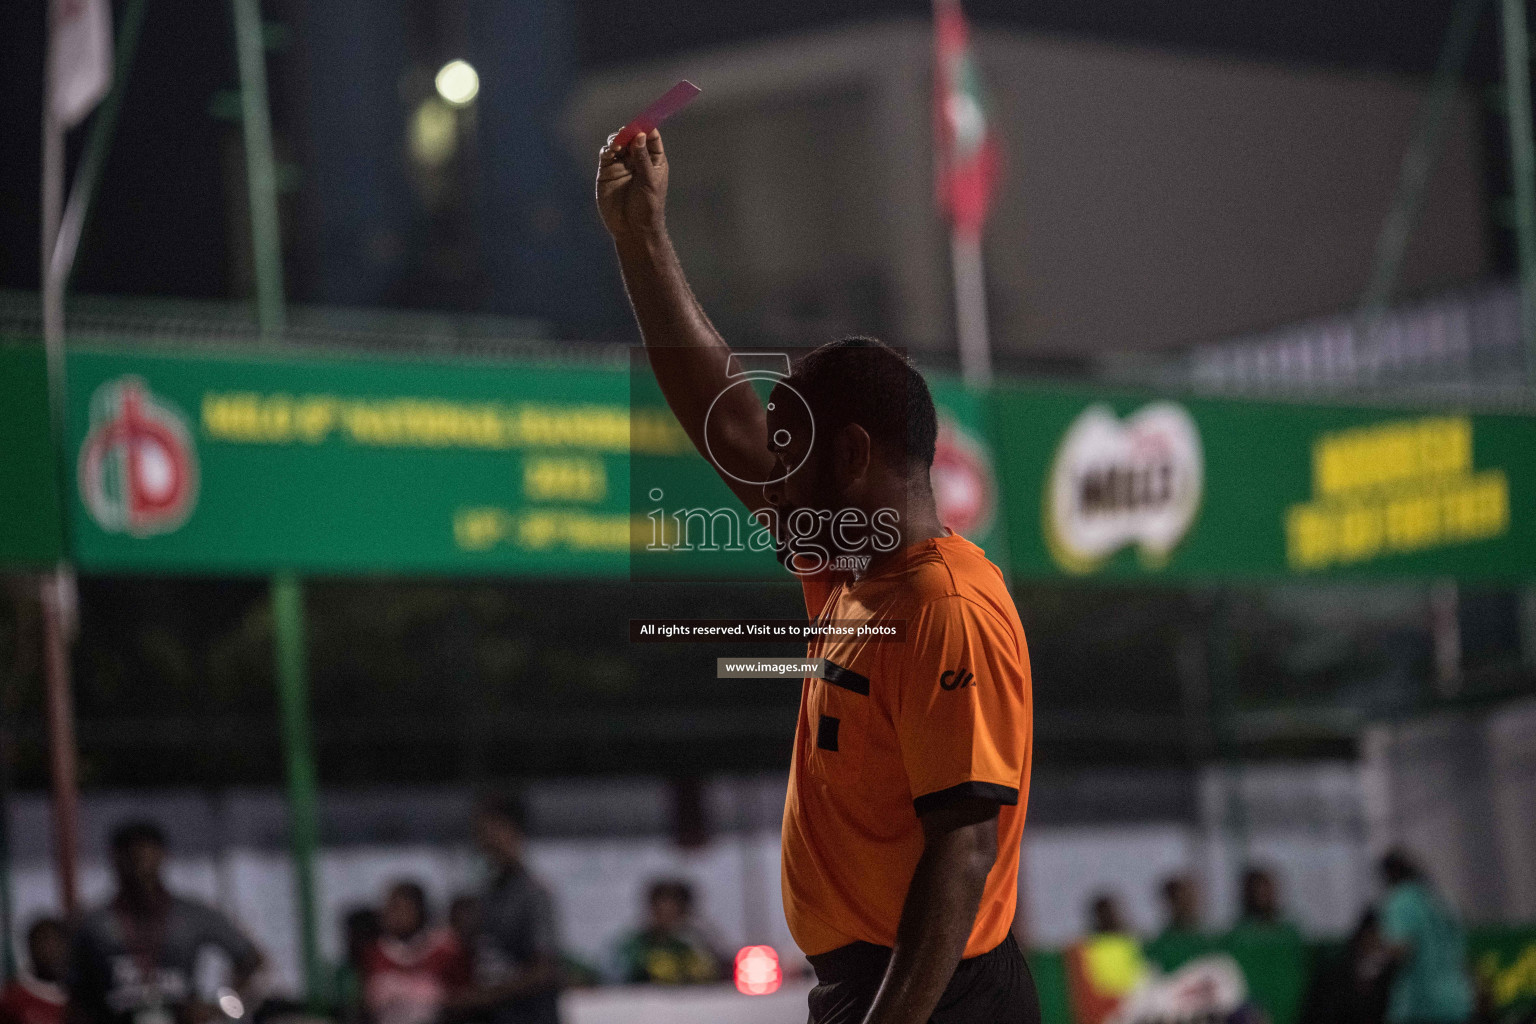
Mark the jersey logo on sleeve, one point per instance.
(953, 680)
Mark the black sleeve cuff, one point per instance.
(1005, 795)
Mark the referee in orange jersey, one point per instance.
(907, 791)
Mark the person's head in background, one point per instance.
(405, 910)
(1181, 900)
(1104, 917)
(670, 903)
(361, 926)
(1397, 867)
(48, 949)
(1261, 896)
(138, 858)
(499, 823)
(464, 916)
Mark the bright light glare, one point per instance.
(231, 1004)
(757, 971)
(433, 131)
(458, 83)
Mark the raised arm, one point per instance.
(686, 353)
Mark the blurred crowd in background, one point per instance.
(494, 954)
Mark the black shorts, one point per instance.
(993, 988)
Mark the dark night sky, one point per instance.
(164, 206)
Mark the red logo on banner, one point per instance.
(137, 467)
(963, 486)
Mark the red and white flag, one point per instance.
(967, 153)
(79, 57)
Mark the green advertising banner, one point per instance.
(1504, 961)
(206, 464)
(1121, 486)
(194, 463)
(197, 463)
(31, 533)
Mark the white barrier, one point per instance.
(700, 1004)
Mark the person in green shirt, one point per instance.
(1427, 943)
(1261, 915)
(670, 949)
(1269, 948)
(1183, 937)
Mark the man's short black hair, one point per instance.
(862, 380)
(135, 833)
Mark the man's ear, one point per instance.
(853, 452)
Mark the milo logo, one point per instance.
(1115, 484)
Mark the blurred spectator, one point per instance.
(361, 927)
(1106, 965)
(1181, 900)
(1269, 948)
(1428, 946)
(1352, 986)
(516, 952)
(670, 949)
(411, 969)
(36, 996)
(134, 960)
(1261, 914)
(1182, 938)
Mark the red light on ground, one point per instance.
(757, 971)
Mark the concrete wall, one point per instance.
(1150, 199)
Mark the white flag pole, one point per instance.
(61, 742)
(78, 72)
(971, 307)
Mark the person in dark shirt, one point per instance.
(37, 996)
(516, 949)
(1352, 986)
(134, 960)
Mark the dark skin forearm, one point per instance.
(960, 847)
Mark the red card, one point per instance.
(675, 99)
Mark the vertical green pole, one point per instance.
(260, 167)
(298, 749)
(1522, 167)
(287, 589)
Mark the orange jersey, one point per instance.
(894, 729)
